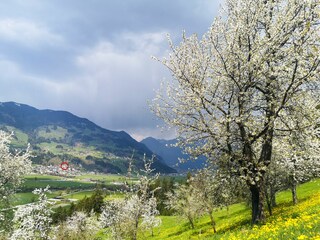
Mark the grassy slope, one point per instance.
(288, 222)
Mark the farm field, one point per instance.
(78, 195)
(103, 178)
(288, 222)
(29, 185)
(67, 188)
(29, 197)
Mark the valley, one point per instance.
(66, 189)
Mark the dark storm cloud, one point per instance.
(93, 57)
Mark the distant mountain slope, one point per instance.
(171, 155)
(60, 135)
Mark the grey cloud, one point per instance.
(92, 58)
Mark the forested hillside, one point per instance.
(57, 136)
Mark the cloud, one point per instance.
(16, 85)
(27, 33)
(121, 79)
(111, 87)
(92, 58)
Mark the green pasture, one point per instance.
(52, 132)
(29, 197)
(80, 151)
(31, 184)
(42, 177)
(104, 178)
(79, 195)
(288, 222)
(19, 139)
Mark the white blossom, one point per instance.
(233, 91)
(32, 221)
(80, 224)
(13, 166)
(122, 218)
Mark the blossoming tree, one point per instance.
(123, 218)
(230, 89)
(13, 165)
(33, 221)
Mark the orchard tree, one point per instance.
(184, 202)
(214, 189)
(296, 152)
(275, 180)
(33, 221)
(114, 219)
(80, 225)
(301, 161)
(13, 166)
(231, 88)
(123, 218)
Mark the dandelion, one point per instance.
(301, 237)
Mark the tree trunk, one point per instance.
(191, 222)
(269, 203)
(270, 194)
(294, 193)
(257, 197)
(213, 223)
(273, 196)
(134, 234)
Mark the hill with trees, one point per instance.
(57, 136)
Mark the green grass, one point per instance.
(288, 222)
(107, 179)
(31, 184)
(79, 195)
(103, 178)
(29, 197)
(80, 151)
(113, 196)
(82, 194)
(57, 133)
(20, 139)
(42, 177)
(55, 182)
(304, 191)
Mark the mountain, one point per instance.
(171, 155)
(57, 136)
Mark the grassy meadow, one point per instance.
(301, 221)
(287, 222)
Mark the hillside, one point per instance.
(288, 221)
(171, 155)
(57, 136)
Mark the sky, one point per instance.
(93, 58)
